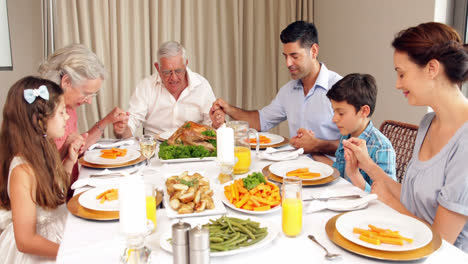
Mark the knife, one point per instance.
(333, 198)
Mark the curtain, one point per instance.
(234, 44)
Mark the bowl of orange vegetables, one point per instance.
(252, 195)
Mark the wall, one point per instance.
(26, 43)
(356, 36)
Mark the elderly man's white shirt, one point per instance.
(153, 106)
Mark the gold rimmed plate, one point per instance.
(277, 141)
(108, 166)
(76, 209)
(273, 177)
(346, 244)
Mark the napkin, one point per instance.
(270, 154)
(340, 204)
(112, 145)
(95, 182)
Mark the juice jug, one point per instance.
(242, 145)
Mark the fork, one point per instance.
(112, 174)
(333, 198)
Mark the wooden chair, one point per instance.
(402, 136)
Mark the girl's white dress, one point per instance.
(50, 224)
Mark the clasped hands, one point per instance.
(218, 112)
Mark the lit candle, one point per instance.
(132, 206)
(225, 144)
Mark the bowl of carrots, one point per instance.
(253, 194)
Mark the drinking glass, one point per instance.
(150, 194)
(291, 194)
(147, 147)
(242, 145)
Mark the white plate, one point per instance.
(187, 160)
(272, 233)
(281, 168)
(409, 227)
(88, 200)
(166, 134)
(93, 156)
(219, 207)
(230, 205)
(275, 139)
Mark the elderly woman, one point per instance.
(431, 64)
(80, 74)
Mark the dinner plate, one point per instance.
(281, 168)
(219, 206)
(275, 139)
(272, 177)
(76, 209)
(407, 226)
(232, 206)
(88, 200)
(271, 228)
(187, 160)
(93, 156)
(165, 135)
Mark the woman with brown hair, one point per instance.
(431, 64)
(33, 177)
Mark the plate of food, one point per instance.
(252, 195)
(306, 169)
(111, 156)
(266, 139)
(100, 199)
(262, 232)
(191, 141)
(395, 232)
(188, 195)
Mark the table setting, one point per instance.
(299, 210)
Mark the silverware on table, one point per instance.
(333, 198)
(328, 255)
(112, 174)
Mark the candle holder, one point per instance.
(225, 171)
(136, 251)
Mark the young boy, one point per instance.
(353, 102)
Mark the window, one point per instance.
(5, 48)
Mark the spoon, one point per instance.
(329, 255)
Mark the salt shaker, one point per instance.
(180, 242)
(199, 243)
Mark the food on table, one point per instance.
(228, 233)
(113, 153)
(253, 193)
(191, 140)
(263, 140)
(189, 193)
(303, 173)
(376, 236)
(109, 195)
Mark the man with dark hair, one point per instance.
(302, 101)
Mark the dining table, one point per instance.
(90, 241)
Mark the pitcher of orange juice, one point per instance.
(242, 145)
(291, 195)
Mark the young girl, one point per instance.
(33, 180)
(431, 64)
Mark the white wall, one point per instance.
(26, 43)
(356, 36)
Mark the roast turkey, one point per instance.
(190, 133)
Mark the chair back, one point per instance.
(402, 136)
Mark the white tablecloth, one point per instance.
(89, 242)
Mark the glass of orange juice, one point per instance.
(291, 194)
(150, 194)
(242, 145)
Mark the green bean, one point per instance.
(245, 230)
(216, 239)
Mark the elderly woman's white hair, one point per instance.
(171, 49)
(75, 60)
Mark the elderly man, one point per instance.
(168, 98)
(302, 101)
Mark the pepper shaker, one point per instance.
(199, 243)
(180, 242)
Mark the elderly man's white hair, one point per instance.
(171, 49)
